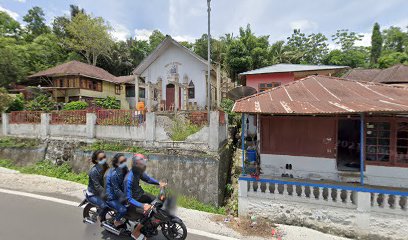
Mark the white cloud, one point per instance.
(304, 25)
(365, 40)
(9, 12)
(184, 38)
(22, 1)
(143, 34)
(120, 32)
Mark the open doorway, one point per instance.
(348, 145)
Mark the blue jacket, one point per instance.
(133, 189)
(114, 184)
(95, 184)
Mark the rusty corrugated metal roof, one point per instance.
(326, 95)
(394, 74)
(362, 74)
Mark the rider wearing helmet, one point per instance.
(114, 187)
(139, 200)
(95, 193)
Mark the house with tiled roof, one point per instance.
(74, 80)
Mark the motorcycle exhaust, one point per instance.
(88, 221)
(110, 228)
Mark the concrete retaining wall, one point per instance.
(25, 129)
(68, 130)
(202, 176)
(120, 132)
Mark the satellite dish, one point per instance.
(240, 92)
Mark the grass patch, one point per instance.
(182, 129)
(10, 142)
(48, 169)
(65, 172)
(114, 147)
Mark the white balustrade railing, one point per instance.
(375, 200)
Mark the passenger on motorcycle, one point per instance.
(114, 187)
(95, 193)
(139, 200)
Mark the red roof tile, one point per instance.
(326, 95)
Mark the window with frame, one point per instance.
(266, 86)
(378, 139)
(117, 89)
(402, 142)
(191, 90)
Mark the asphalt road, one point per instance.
(25, 218)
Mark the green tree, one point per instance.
(139, 49)
(346, 39)
(187, 44)
(353, 58)
(8, 26)
(395, 40)
(309, 49)
(43, 52)
(35, 23)
(155, 39)
(118, 61)
(89, 36)
(237, 59)
(392, 59)
(12, 67)
(376, 44)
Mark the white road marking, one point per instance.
(75, 204)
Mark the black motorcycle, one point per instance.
(160, 217)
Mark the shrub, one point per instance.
(182, 128)
(41, 103)
(10, 142)
(227, 105)
(76, 105)
(114, 147)
(108, 103)
(5, 99)
(17, 104)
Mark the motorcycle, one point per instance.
(160, 217)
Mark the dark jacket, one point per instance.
(133, 189)
(96, 185)
(114, 184)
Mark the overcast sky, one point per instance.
(187, 19)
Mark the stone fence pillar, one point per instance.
(214, 128)
(5, 124)
(45, 125)
(91, 125)
(242, 197)
(150, 128)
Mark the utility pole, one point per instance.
(209, 63)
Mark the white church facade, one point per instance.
(174, 78)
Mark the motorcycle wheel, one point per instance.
(90, 212)
(174, 230)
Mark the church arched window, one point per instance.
(191, 90)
